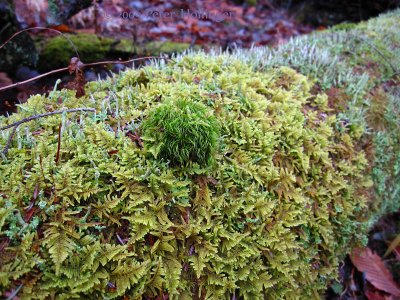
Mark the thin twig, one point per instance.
(42, 28)
(16, 124)
(59, 144)
(46, 115)
(5, 150)
(385, 58)
(32, 79)
(82, 66)
(15, 292)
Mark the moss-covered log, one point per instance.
(304, 155)
(57, 52)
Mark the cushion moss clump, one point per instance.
(182, 131)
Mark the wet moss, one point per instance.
(289, 197)
(58, 51)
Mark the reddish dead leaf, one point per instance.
(4, 243)
(397, 253)
(375, 271)
(4, 80)
(75, 65)
(135, 137)
(36, 191)
(186, 215)
(78, 84)
(111, 287)
(112, 152)
(38, 132)
(29, 214)
(62, 28)
(8, 104)
(149, 239)
(374, 295)
(59, 145)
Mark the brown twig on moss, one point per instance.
(5, 150)
(16, 124)
(384, 57)
(82, 66)
(59, 144)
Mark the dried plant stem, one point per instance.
(16, 124)
(41, 28)
(82, 66)
(384, 57)
(32, 79)
(59, 144)
(5, 150)
(15, 292)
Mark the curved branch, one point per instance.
(16, 124)
(45, 115)
(42, 28)
(82, 66)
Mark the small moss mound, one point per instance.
(182, 131)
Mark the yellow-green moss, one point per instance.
(271, 219)
(356, 62)
(58, 51)
(285, 201)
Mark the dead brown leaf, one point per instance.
(375, 271)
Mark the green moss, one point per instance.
(285, 200)
(344, 26)
(280, 199)
(182, 131)
(58, 51)
(155, 48)
(125, 46)
(356, 61)
(252, 2)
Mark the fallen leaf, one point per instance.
(29, 214)
(112, 152)
(62, 28)
(36, 191)
(372, 295)
(78, 84)
(397, 253)
(75, 65)
(375, 271)
(4, 79)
